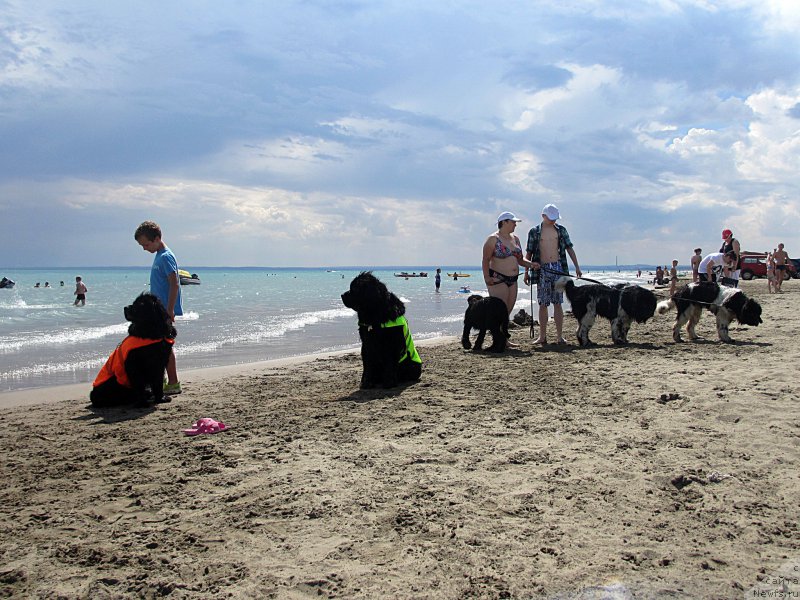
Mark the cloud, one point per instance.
(771, 150)
(395, 131)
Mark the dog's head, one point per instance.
(474, 299)
(372, 300)
(750, 313)
(149, 318)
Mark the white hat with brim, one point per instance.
(508, 216)
(551, 212)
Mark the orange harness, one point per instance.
(115, 365)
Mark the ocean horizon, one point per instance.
(237, 315)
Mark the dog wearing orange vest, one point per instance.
(134, 373)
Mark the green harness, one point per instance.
(411, 351)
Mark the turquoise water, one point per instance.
(236, 316)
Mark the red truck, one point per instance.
(754, 264)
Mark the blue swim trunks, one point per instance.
(545, 292)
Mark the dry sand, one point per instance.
(654, 470)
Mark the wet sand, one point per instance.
(653, 470)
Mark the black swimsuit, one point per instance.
(509, 280)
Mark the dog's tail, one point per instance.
(564, 284)
(665, 306)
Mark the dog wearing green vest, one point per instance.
(388, 354)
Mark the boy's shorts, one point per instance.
(545, 289)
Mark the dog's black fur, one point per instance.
(486, 314)
(144, 366)
(621, 304)
(384, 354)
(726, 303)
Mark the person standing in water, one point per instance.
(80, 292)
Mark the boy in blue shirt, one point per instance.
(165, 284)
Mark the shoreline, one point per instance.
(80, 391)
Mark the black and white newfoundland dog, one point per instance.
(134, 373)
(726, 303)
(621, 304)
(486, 314)
(387, 349)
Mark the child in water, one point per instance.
(80, 292)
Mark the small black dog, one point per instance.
(387, 349)
(486, 314)
(621, 304)
(134, 373)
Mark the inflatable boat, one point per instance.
(187, 278)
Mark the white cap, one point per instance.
(551, 212)
(508, 216)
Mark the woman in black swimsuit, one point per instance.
(502, 257)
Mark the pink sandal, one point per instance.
(206, 425)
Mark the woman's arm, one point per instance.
(488, 250)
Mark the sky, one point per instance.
(349, 132)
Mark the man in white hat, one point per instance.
(548, 246)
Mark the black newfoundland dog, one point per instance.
(726, 303)
(621, 304)
(486, 314)
(387, 349)
(134, 373)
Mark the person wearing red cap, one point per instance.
(731, 244)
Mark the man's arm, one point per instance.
(574, 258)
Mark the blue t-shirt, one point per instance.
(164, 264)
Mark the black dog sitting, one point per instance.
(486, 314)
(134, 373)
(387, 349)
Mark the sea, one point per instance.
(234, 316)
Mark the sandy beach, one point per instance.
(648, 471)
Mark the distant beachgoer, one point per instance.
(639, 274)
(695, 262)
(438, 279)
(659, 275)
(37, 285)
(455, 276)
(731, 244)
(46, 284)
(771, 272)
(80, 292)
(716, 259)
(62, 284)
(165, 284)
(673, 278)
(502, 257)
(781, 258)
(547, 249)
